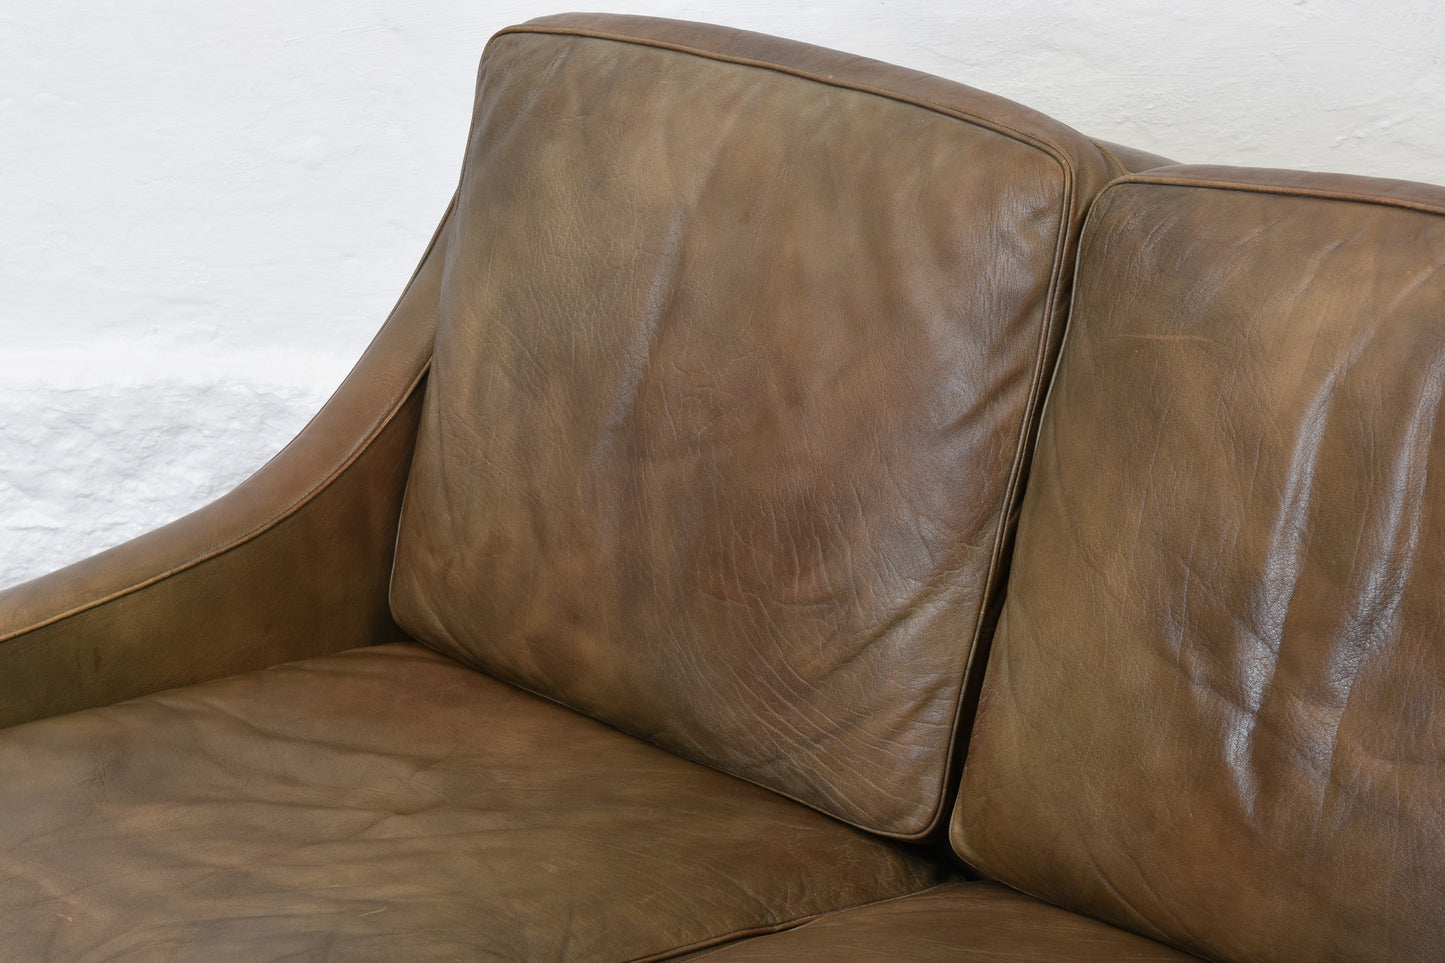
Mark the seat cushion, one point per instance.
(739, 350)
(1215, 710)
(982, 922)
(390, 804)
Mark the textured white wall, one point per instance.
(207, 209)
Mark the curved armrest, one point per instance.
(292, 563)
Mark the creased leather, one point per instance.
(389, 804)
(1214, 708)
(954, 923)
(737, 368)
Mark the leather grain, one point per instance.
(294, 562)
(389, 804)
(739, 356)
(1214, 708)
(954, 923)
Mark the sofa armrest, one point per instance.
(292, 563)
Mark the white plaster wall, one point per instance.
(207, 209)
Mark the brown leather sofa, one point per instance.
(642, 591)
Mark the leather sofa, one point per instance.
(799, 509)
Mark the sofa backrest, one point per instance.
(1215, 707)
(739, 354)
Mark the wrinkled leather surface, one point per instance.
(1214, 708)
(737, 366)
(982, 921)
(294, 562)
(390, 804)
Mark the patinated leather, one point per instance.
(981, 922)
(292, 563)
(390, 804)
(1214, 708)
(739, 354)
(741, 346)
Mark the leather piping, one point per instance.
(1282, 190)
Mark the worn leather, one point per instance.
(739, 354)
(390, 804)
(294, 562)
(962, 922)
(1215, 707)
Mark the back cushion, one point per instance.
(739, 351)
(1215, 708)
